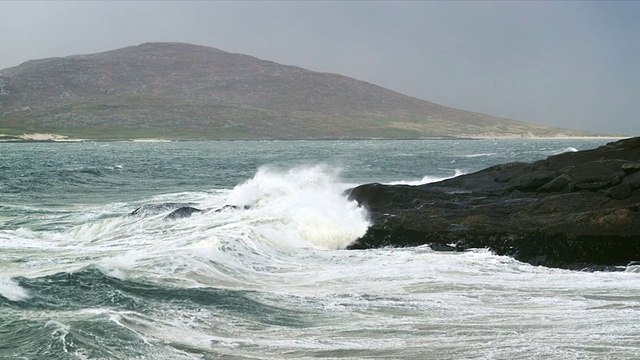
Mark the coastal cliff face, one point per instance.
(573, 210)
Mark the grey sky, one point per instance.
(570, 64)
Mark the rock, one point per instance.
(183, 212)
(505, 174)
(630, 167)
(633, 180)
(574, 210)
(445, 247)
(178, 210)
(595, 175)
(154, 209)
(557, 184)
(229, 207)
(530, 181)
(619, 192)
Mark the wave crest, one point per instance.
(10, 290)
(302, 206)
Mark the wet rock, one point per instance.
(446, 247)
(154, 209)
(183, 212)
(577, 210)
(187, 211)
(229, 207)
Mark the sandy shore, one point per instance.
(43, 137)
(40, 137)
(64, 138)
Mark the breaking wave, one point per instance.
(428, 179)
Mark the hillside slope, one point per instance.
(184, 91)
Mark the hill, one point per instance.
(183, 91)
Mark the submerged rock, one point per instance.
(154, 209)
(177, 210)
(574, 210)
(187, 211)
(182, 212)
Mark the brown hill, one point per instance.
(183, 91)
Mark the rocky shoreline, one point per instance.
(576, 210)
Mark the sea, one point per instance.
(91, 267)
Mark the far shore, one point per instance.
(49, 137)
(39, 137)
(563, 137)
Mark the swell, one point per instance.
(91, 288)
(102, 316)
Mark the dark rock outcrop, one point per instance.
(183, 212)
(177, 210)
(187, 211)
(573, 210)
(154, 209)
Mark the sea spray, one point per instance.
(305, 206)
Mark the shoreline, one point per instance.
(550, 137)
(50, 137)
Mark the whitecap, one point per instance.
(428, 179)
(479, 155)
(565, 150)
(10, 290)
(306, 203)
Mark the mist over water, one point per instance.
(84, 276)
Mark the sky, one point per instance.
(570, 64)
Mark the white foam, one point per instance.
(480, 155)
(10, 290)
(23, 238)
(633, 269)
(565, 150)
(114, 266)
(303, 203)
(428, 179)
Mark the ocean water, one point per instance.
(84, 276)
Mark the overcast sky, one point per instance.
(570, 64)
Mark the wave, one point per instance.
(428, 179)
(276, 214)
(549, 151)
(10, 290)
(304, 205)
(565, 150)
(479, 155)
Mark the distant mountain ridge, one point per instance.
(183, 91)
